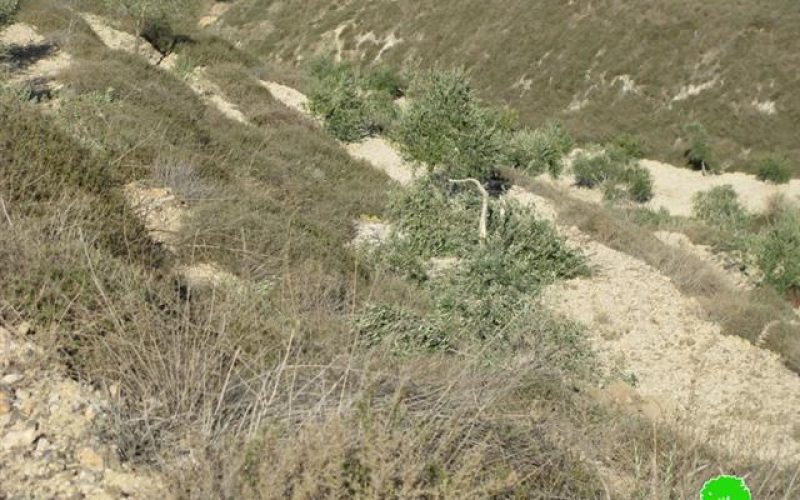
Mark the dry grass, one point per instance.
(260, 388)
(518, 55)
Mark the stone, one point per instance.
(90, 459)
(24, 328)
(42, 445)
(5, 403)
(89, 413)
(11, 379)
(124, 482)
(18, 438)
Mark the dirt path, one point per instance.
(674, 188)
(382, 155)
(120, 40)
(724, 265)
(288, 96)
(721, 389)
(209, 92)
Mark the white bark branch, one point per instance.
(484, 206)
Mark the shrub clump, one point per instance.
(405, 331)
(779, 255)
(720, 207)
(7, 10)
(541, 150)
(639, 183)
(488, 284)
(631, 144)
(699, 154)
(446, 126)
(352, 106)
(616, 172)
(773, 169)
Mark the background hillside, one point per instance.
(602, 67)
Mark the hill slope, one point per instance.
(602, 67)
(185, 244)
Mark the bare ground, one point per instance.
(674, 188)
(41, 60)
(53, 431)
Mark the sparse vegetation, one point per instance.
(632, 145)
(353, 106)
(484, 287)
(639, 184)
(699, 154)
(720, 208)
(541, 150)
(637, 63)
(7, 10)
(779, 255)
(616, 172)
(773, 169)
(739, 313)
(366, 375)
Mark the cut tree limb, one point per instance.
(484, 206)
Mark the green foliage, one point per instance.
(616, 172)
(405, 331)
(351, 107)
(184, 65)
(593, 169)
(385, 80)
(779, 255)
(632, 145)
(446, 126)
(489, 284)
(699, 154)
(335, 98)
(651, 218)
(39, 170)
(434, 222)
(720, 208)
(7, 10)
(537, 151)
(774, 169)
(639, 183)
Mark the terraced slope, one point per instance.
(603, 67)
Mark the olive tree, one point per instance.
(7, 10)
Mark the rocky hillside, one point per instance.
(222, 276)
(602, 67)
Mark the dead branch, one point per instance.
(484, 206)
